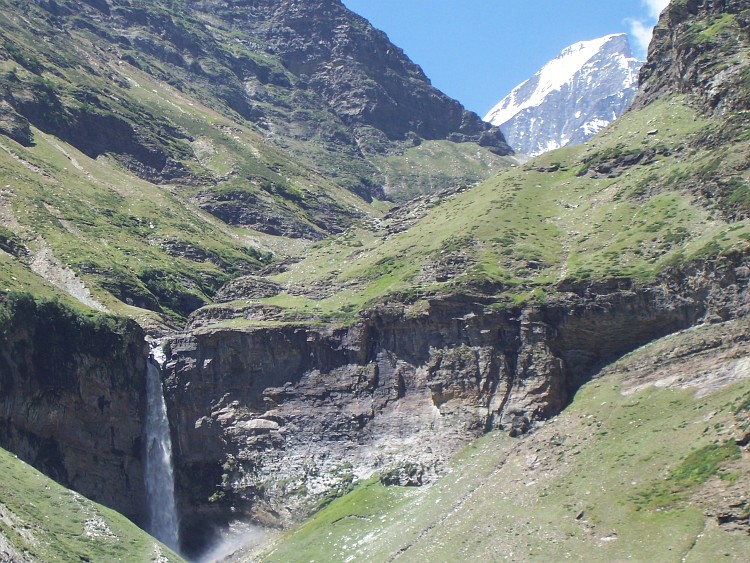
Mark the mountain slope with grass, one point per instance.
(186, 145)
(318, 336)
(42, 521)
(474, 310)
(627, 206)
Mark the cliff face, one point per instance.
(368, 82)
(268, 420)
(72, 400)
(700, 48)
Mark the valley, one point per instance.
(382, 334)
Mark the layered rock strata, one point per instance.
(268, 420)
(72, 401)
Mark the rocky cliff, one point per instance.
(700, 48)
(72, 399)
(628, 471)
(269, 420)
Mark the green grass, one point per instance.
(324, 537)
(693, 471)
(47, 522)
(436, 165)
(572, 490)
(715, 27)
(111, 228)
(532, 227)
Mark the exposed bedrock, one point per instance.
(681, 60)
(72, 400)
(268, 420)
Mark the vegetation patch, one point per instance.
(693, 471)
(714, 28)
(46, 522)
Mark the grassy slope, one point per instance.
(556, 214)
(43, 521)
(53, 191)
(109, 226)
(612, 478)
(100, 220)
(434, 166)
(53, 181)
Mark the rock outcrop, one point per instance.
(268, 420)
(72, 399)
(700, 49)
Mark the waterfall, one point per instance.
(158, 474)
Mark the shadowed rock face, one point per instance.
(274, 418)
(368, 82)
(71, 402)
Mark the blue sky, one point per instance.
(478, 50)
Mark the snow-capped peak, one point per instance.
(556, 73)
(578, 93)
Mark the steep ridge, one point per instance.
(311, 77)
(366, 80)
(571, 98)
(698, 48)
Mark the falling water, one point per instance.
(159, 476)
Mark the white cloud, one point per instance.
(641, 33)
(655, 7)
(641, 29)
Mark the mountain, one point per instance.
(550, 363)
(250, 122)
(574, 96)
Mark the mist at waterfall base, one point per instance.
(239, 541)
(159, 476)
